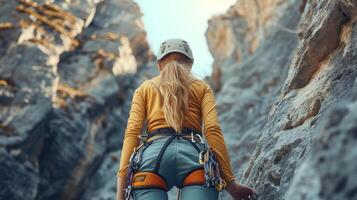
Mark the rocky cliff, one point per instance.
(67, 69)
(285, 75)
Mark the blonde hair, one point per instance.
(175, 78)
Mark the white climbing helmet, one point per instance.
(174, 45)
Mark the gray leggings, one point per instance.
(178, 160)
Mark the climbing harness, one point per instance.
(207, 176)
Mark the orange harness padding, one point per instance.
(196, 177)
(148, 180)
(152, 180)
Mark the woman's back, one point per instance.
(147, 105)
(155, 113)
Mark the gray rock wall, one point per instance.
(284, 75)
(67, 72)
(286, 91)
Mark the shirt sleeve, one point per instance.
(133, 130)
(213, 134)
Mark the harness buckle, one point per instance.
(143, 138)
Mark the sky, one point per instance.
(185, 19)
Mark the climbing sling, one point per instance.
(207, 176)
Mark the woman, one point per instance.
(174, 105)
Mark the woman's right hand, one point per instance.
(120, 188)
(241, 192)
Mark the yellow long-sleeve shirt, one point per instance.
(147, 105)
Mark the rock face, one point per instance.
(66, 72)
(288, 99)
(284, 72)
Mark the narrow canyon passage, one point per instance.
(284, 75)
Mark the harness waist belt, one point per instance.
(170, 131)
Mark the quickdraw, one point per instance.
(208, 159)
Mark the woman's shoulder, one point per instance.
(199, 87)
(147, 83)
(200, 83)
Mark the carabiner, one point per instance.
(132, 156)
(203, 157)
(127, 193)
(201, 139)
(192, 140)
(220, 184)
(199, 136)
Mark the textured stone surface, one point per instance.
(252, 84)
(284, 72)
(233, 37)
(329, 167)
(67, 72)
(277, 89)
